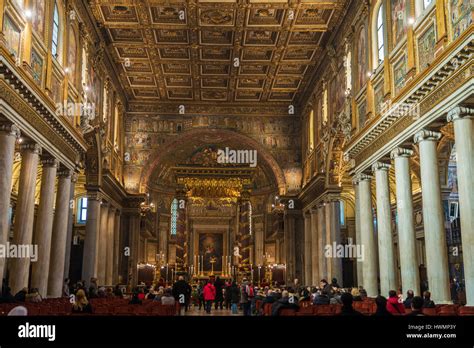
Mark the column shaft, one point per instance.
(308, 257)
(333, 215)
(406, 227)
(464, 137)
(110, 247)
(44, 226)
(388, 275)
(357, 230)
(90, 242)
(25, 209)
(102, 250)
(58, 244)
(8, 136)
(316, 252)
(433, 217)
(369, 265)
(323, 273)
(117, 249)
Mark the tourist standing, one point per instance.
(182, 294)
(209, 293)
(219, 285)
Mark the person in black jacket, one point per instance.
(219, 285)
(416, 307)
(20, 296)
(409, 299)
(286, 301)
(234, 297)
(381, 311)
(427, 301)
(182, 294)
(7, 296)
(347, 309)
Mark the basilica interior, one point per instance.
(114, 116)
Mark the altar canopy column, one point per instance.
(358, 241)
(8, 135)
(244, 234)
(406, 225)
(308, 268)
(433, 217)
(44, 225)
(89, 269)
(25, 210)
(181, 234)
(369, 263)
(464, 137)
(388, 275)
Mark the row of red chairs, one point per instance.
(366, 308)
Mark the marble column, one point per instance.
(102, 243)
(110, 247)
(134, 242)
(388, 274)
(289, 237)
(70, 225)
(406, 227)
(323, 272)
(433, 217)
(92, 229)
(259, 244)
(308, 257)
(464, 138)
(25, 210)
(245, 237)
(316, 252)
(58, 243)
(44, 225)
(369, 265)
(8, 135)
(333, 235)
(117, 258)
(359, 264)
(181, 235)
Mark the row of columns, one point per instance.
(433, 216)
(101, 245)
(51, 232)
(322, 228)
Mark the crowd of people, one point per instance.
(237, 297)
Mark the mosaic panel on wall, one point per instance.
(37, 22)
(36, 66)
(12, 35)
(462, 15)
(399, 20)
(379, 100)
(399, 74)
(426, 47)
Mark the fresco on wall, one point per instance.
(37, 21)
(399, 20)
(56, 89)
(362, 58)
(36, 67)
(399, 73)
(426, 47)
(462, 15)
(362, 112)
(12, 35)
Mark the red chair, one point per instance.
(287, 312)
(430, 312)
(122, 310)
(305, 311)
(323, 310)
(447, 311)
(267, 309)
(465, 311)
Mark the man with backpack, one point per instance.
(246, 297)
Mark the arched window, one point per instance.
(311, 130)
(55, 39)
(174, 216)
(82, 210)
(348, 64)
(380, 39)
(325, 105)
(426, 4)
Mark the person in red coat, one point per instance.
(393, 305)
(209, 293)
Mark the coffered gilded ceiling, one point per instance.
(234, 52)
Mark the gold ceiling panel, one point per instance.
(237, 52)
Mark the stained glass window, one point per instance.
(174, 216)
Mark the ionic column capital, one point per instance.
(460, 112)
(363, 177)
(33, 147)
(380, 166)
(49, 161)
(11, 129)
(401, 152)
(426, 135)
(65, 173)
